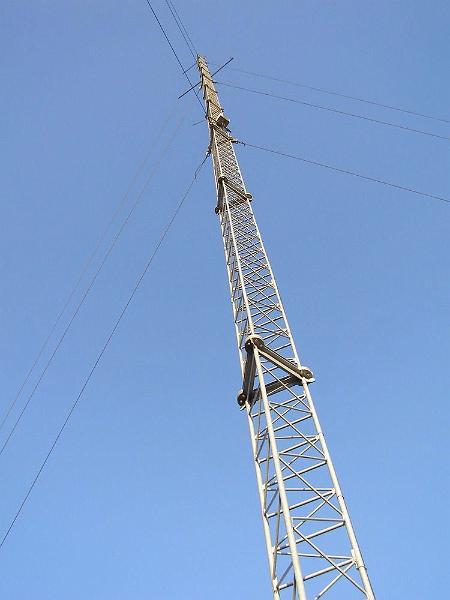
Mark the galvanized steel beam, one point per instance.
(311, 544)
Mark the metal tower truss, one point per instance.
(311, 544)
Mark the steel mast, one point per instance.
(311, 544)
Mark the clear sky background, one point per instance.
(151, 491)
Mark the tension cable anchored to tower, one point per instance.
(311, 544)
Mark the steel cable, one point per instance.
(174, 52)
(90, 286)
(181, 27)
(83, 272)
(102, 351)
(344, 171)
(333, 110)
(346, 96)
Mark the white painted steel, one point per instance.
(311, 545)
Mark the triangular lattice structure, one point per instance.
(311, 544)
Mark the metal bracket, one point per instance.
(295, 375)
(224, 181)
(222, 120)
(223, 131)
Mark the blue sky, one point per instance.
(150, 492)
